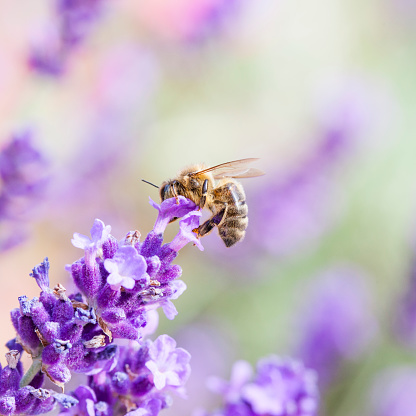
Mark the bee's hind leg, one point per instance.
(208, 225)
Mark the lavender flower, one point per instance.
(123, 280)
(99, 234)
(23, 180)
(121, 283)
(336, 323)
(280, 387)
(141, 380)
(168, 364)
(187, 21)
(297, 209)
(74, 20)
(29, 399)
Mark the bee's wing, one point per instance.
(234, 169)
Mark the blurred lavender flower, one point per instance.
(23, 176)
(212, 348)
(186, 21)
(394, 392)
(118, 102)
(292, 210)
(74, 20)
(336, 323)
(280, 387)
(299, 208)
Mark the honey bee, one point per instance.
(216, 189)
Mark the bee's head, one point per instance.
(169, 189)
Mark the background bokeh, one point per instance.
(323, 92)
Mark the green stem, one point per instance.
(31, 373)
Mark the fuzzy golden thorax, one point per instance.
(187, 185)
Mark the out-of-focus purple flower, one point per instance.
(298, 208)
(280, 387)
(74, 20)
(187, 21)
(23, 180)
(394, 392)
(22, 168)
(291, 209)
(336, 323)
(87, 404)
(241, 374)
(141, 380)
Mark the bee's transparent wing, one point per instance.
(234, 169)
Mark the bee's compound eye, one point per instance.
(164, 192)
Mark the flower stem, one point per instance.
(31, 373)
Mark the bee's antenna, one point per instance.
(150, 183)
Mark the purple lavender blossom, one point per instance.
(50, 327)
(122, 282)
(99, 234)
(27, 399)
(126, 268)
(144, 375)
(74, 20)
(336, 323)
(23, 180)
(297, 208)
(168, 364)
(87, 405)
(280, 387)
(190, 22)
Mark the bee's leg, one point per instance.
(204, 194)
(208, 225)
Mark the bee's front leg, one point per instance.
(208, 225)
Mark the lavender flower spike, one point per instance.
(281, 387)
(337, 323)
